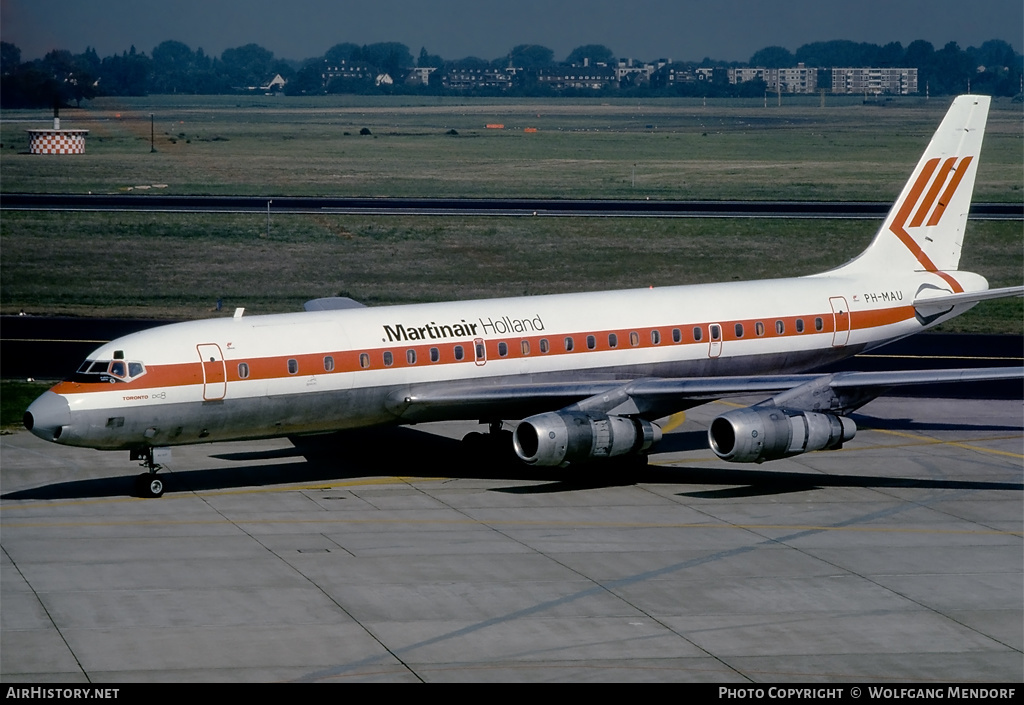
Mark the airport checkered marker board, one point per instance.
(57, 141)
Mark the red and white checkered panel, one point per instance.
(57, 141)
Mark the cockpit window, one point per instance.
(93, 371)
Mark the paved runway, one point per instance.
(898, 558)
(469, 206)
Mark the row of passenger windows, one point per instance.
(293, 367)
(568, 344)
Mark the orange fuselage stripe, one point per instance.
(267, 368)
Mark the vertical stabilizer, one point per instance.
(924, 230)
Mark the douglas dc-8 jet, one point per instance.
(589, 374)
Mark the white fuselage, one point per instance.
(319, 371)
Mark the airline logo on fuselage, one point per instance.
(402, 332)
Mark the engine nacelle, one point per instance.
(760, 433)
(564, 437)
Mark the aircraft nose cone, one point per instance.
(48, 416)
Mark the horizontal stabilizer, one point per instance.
(970, 297)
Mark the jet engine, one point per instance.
(564, 437)
(760, 433)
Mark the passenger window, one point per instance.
(799, 325)
(459, 352)
(328, 363)
(293, 366)
(591, 342)
(364, 360)
(525, 346)
(819, 325)
(613, 340)
(435, 354)
(715, 331)
(410, 356)
(780, 327)
(389, 359)
(759, 328)
(544, 345)
(243, 370)
(739, 330)
(568, 342)
(481, 351)
(634, 339)
(698, 334)
(503, 349)
(677, 335)
(656, 337)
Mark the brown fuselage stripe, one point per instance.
(267, 368)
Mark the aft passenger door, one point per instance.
(841, 319)
(215, 384)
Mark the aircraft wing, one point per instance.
(653, 397)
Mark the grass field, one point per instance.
(658, 148)
(179, 265)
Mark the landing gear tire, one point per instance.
(149, 485)
(495, 446)
(474, 443)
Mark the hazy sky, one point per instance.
(684, 30)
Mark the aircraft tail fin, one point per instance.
(924, 230)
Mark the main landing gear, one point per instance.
(147, 484)
(496, 445)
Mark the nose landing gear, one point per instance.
(147, 484)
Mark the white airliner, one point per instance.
(590, 374)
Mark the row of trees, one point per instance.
(64, 78)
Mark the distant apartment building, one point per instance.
(420, 76)
(348, 71)
(589, 76)
(798, 79)
(630, 73)
(874, 81)
(667, 74)
(626, 73)
(705, 74)
(464, 79)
